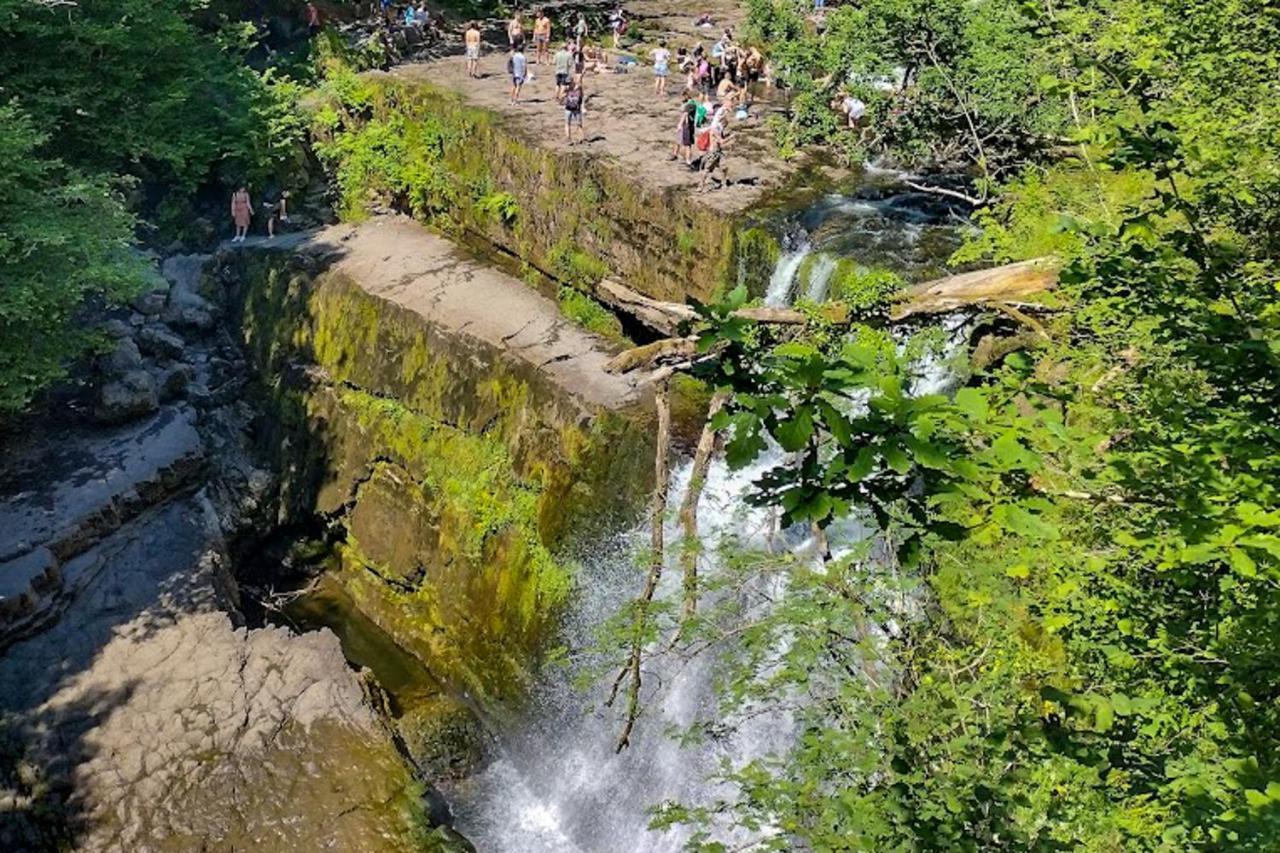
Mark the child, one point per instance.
(518, 68)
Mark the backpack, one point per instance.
(704, 139)
(573, 100)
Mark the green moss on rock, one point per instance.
(423, 150)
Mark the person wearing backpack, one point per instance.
(575, 101)
(713, 160)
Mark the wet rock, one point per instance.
(73, 486)
(26, 582)
(131, 396)
(161, 341)
(444, 737)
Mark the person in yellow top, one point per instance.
(541, 36)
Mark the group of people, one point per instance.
(718, 82)
(274, 210)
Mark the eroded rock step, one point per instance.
(396, 259)
(145, 720)
(64, 492)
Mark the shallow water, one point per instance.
(327, 605)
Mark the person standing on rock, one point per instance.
(241, 213)
(575, 103)
(472, 39)
(684, 133)
(518, 68)
(661, 68)
(541, 36)
(563, 63)
(276, 211)
(515, 30)
(713, 160)
(580, 31)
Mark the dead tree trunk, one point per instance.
(658, 510)
(689, 507)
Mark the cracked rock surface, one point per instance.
(144, 719)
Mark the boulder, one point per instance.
(131, 396)
(160, 341)
(117, 328)
(150, 304)
(125, 357)
(174, 381)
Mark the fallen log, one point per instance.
(649, 355)
(985, 287)
(664, 317)
(1009, 284)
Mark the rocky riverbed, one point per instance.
(137, 710)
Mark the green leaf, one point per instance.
(794, 433)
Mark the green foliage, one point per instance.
(590, 315)
(106, 101)
(500, 207)
(575, 267)
(137, 87)
(65, 238)
(1073, 642)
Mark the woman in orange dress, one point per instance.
(241, 213)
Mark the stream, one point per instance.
(557, 784)
(554, 782)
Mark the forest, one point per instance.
(1067, 632)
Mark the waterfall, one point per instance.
(782, 281)
(556, 785)
(824, 265)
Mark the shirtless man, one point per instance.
(541, 37)
(515, 30)
(473, 50)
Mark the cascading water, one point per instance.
(556, 784)
(782, 282)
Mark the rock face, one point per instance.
(137, 712)
(452, 422)
(145, 720)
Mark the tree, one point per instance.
(65, 238)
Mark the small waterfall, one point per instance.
(782, 282)
(824, 265)
(556, 785)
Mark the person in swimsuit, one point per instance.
(515, 30)
(472, 39)
(541, 37)
(661, 68)
(563, 63)
(241, 213)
